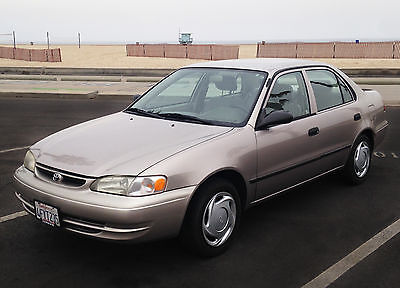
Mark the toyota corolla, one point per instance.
(200, 147)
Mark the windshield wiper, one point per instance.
(183, 117)
(142, 112)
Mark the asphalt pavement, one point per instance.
(284, 242)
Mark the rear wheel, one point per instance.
(212, 218)
(359, 162)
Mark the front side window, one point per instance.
(208, 95)
(289, 94)
(326, 89)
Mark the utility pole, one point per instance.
(79, 39)
(14, 39)
(48, 41)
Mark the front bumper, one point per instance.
(103, 215)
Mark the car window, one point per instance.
(216, 95)
(224, 85)
(326, 89)
(289, 94)
(178, 92)
(347, 95)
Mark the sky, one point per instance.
(210, 21)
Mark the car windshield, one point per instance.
(210, 96)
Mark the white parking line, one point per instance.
(13, 216)
(14, 149)
(334, 272)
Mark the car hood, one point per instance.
(119, 144)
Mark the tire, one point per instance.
(212, 219)
(359, 162)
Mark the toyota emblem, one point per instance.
(57, 177)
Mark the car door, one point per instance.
(337, 118)
(287, 153)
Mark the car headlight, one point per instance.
(29, 161)
(130, 186)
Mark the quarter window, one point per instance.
(289, 94)
(347, 95)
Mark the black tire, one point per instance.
(193, 235)
(353, 174)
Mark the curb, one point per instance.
(81, 78)
(376, 81)
(53, 95)
(146, 72)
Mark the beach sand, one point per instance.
(114, 56)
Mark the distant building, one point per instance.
(185, 38)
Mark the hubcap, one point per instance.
(362, 157)
(219, 219)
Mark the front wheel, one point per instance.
(359, 162)
(212, 219)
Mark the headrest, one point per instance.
(281, 89)
(228, 83)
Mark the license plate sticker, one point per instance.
(47, 214)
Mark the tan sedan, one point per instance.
(200, 147)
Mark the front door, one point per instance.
(287, 153)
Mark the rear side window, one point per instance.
(327, 89)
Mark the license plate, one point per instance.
(47, 214)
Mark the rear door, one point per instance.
(337, 118)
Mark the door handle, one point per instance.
(357, 117)
(313, 131)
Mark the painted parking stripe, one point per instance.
(14, 149)
(334, 272)
(13, 216)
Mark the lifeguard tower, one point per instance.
(185, 38)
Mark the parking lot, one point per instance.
(284, 242)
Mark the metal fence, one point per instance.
(375, 50)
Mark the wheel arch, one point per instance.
(370, 134)
(230, 175)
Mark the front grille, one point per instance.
(68, 179)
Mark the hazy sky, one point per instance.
(210, 20)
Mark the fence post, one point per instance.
(394, 47)
(334, 49)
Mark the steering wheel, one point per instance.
(239, 108)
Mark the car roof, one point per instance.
(270, 65)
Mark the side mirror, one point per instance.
(274, 118)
